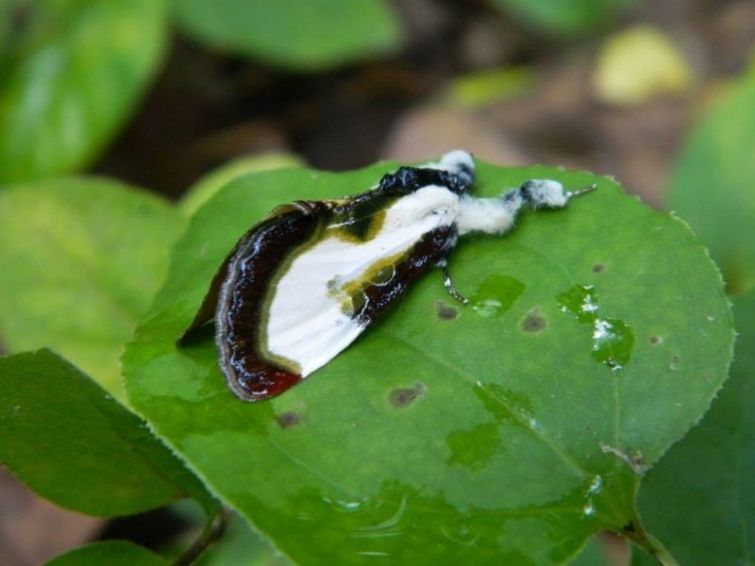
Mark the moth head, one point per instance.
(459, 163)
(546, 193)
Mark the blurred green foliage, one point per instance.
(81, 259)
(72, 72)
(300, 34)
(565, 17)
(713, 184)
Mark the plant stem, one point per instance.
(635, 532)
(213, 530)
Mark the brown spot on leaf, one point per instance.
(654, 340)
(533, 322)
(403, 396)
(288, 419)
(598, 268)
(445, 311)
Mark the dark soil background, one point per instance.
(206, 108)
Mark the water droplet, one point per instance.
(595, 485)
(612, 338)
(343, 505)
(473, 449)
(488, 307)
(589, 304)
(385, 528)
(461, 534)
(612, 343)
(578, 301)
(496, 295)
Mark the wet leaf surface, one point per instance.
(518, 444)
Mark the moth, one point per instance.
(301, 285)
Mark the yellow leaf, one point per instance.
(638, 64)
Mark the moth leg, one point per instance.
(448, 284)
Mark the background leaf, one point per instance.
(564, 17)
(713, 187)
(700, 498)
(81, 260)
(638, 64)
(110, 552)
(74, 78)
(201, 191)
(483, 433)
(304, 34)
(68, 440)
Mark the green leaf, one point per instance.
(700, 498)
(712, 184)
(482, 434)
(301, 34)
(565, 17)
(7, 8)
(201, 191)
(75, 77)
(69, 441)
(81, 259)
(110, 552)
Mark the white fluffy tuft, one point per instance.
(457, 161)
(490, 215)
(548, 193)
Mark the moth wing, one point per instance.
(207, 309)
(301, 286)
(332, 288)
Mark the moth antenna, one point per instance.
(579, 192)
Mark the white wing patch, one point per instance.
(306, 320)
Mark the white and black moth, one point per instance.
(301, 285)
